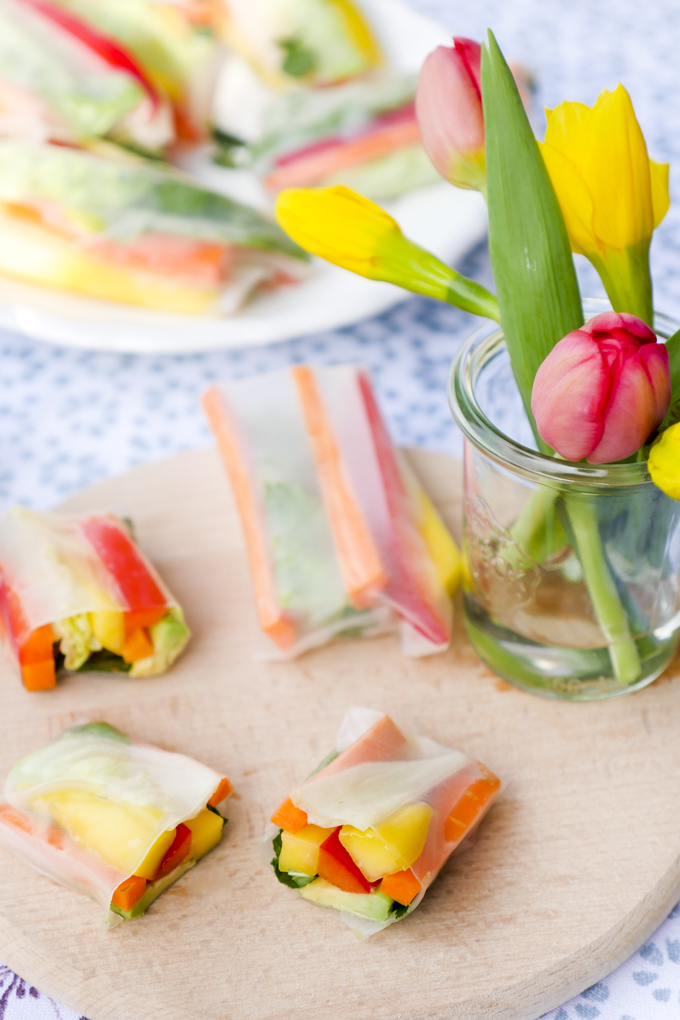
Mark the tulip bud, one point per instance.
(602, 390)
(664, 462)
(352, 232)
(449, 111)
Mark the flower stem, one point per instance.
(627, 280)
(607, 606)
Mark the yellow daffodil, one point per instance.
(611, 194)
(664, 462)
(350, 231)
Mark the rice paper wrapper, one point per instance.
(86, 809)
(332, 515)
(376, 769)
(55, 566)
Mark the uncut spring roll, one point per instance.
(320, 433)
(300, 592)
(367, 833)
(363, 134)
(354, 453)
(312, 42)
(75, 591)
(132, 232)
(61, 81)
(112, 818)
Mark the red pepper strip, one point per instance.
(109, 50)
(404, 588)
(124, 563)
(404, 115)
(11, 614)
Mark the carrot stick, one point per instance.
(470, 807)
(313, 168)
(273, 620)
(402, 886)
(137, 646)
(39, 676)
(129, 892)
(360, 564)
(289, 818)
(222, 791)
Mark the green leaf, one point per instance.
(531, 257)
(673, 348)
(298, 59)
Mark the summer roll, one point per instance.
(309, 42)
(125, 230)
(341, 537)
(110, 817)
(369, 830)
(77, 592)
(363, 134)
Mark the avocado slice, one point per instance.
(374, 905)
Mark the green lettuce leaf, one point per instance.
(124, 200)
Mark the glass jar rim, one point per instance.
(475, 354)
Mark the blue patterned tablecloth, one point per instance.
(69, 418)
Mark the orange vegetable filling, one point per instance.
(222, 791)
(469, 807)
(36, 657)
(129, 892)
(403, 887)
(290, 818)
(137, 646)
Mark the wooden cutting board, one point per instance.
(572, 870)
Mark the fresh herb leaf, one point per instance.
(331, 756)
(104, 662)
(398, 909)
(298, 59)
(292, 881)
(216, 812)
(225, 138)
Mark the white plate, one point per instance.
(443, 219)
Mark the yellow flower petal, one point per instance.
(661, 199)
(664, 462)
(339, 225)
(606, 147)
(578, 211)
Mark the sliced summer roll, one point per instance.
(62, 81)
(334, 519)
(300, 592)
(310, 42)
(110, 817)
(172, 43)
(363, 134)
(77, 593)
(367, 833)
(131, 232)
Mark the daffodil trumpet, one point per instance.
(343, 227)
(611, 194)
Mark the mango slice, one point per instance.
(393, 845)
(300, 852)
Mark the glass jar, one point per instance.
(571, 571)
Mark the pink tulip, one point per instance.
(602, 390)
(449, 111)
